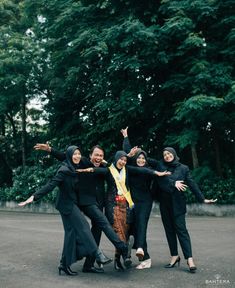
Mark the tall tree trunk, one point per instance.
(3, 128)
(23, 127)
(10, 118)
(194, 156)
(217, 158)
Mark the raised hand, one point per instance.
(124, 132)
(180, 185)
(43, 147)
(29, 200)
(133, 151)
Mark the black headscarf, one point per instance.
(119, 154)
(69, 162)
(134, 158)
(175, 162)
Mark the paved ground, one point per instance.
(30, 247)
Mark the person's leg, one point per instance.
(89, 262)
(94, 213)
(183, 236)
(121, 228)
(142, 213)
(185, 241)
(69, 255)
(169, 227)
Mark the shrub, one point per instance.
(26, 182)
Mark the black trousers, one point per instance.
(175, 227)
(78, 239)
(142, 212)
(99, 219)
(96, 232)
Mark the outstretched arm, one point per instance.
(55, 153)
(29, 200)
(195, 189)
(59, 177)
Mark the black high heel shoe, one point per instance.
(192, 269)
(67, 270)
(173, 264)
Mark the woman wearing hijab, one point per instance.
(78, 240)
(140, 188)
(173, 205)
(119, 203)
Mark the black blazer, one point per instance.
(167, 186)
(67, 195)
(91, 188)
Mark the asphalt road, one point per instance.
(30, 248)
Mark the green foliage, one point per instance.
(164, 68)
(222, 189)
(27, 182)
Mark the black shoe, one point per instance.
(192, 269)
(118, 265)
(101, 258)
(173, 264)
(127, 262)
(67, 270)
(92, 270)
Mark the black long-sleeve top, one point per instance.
(140, 185)
(91, 187)
(166, 184)
(67, 195)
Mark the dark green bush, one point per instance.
(26, 182)
(213, 187)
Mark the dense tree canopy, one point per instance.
(164, 68)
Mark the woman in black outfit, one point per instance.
(173, 205)
(140, 187)
(78, 240)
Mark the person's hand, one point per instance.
(124, 132)
(29, 200)
(180, 185)
(164, 173)
(85, 170)
(43, 147)
(210, 201)
(133, 151)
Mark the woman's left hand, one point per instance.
(209, 201)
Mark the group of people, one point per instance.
(121, 209)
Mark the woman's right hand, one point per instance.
(180, 185)
(29, 200)
(133, 151)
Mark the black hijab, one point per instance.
(119, 154)
(134, 158)
(175, 162)
(68, 163)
